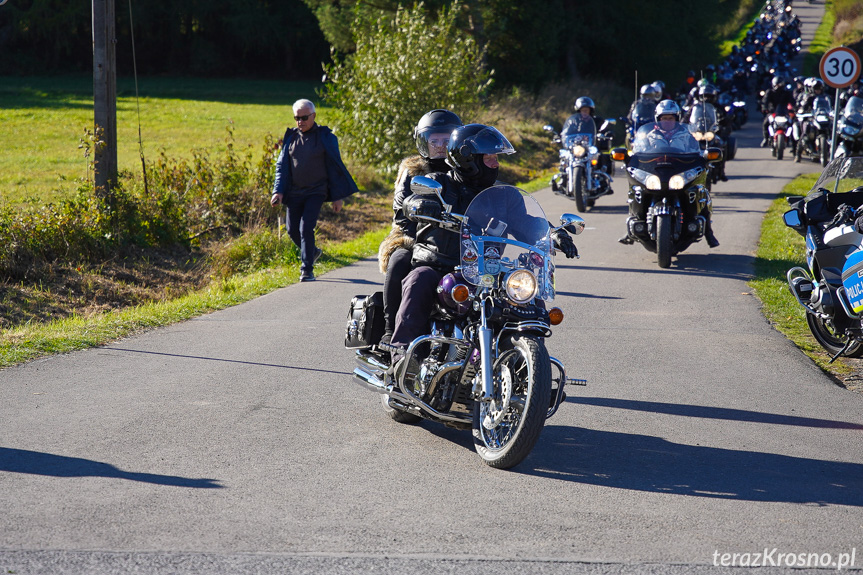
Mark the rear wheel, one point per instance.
(828, 338)
(506, 429)
(663, 240)
(580, 185)
(780, 146)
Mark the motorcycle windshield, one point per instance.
(505, 230)
(853, 107)
(702, 119)
(578, 131)
(822, 105)
(840, 175)
(664, 138)
(643, 113)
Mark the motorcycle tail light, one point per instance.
(460, 293)
(555, 316)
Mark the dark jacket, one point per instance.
(340, 184)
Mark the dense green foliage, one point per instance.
(381, 93)
(185, 202)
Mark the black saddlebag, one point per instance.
(365, 321)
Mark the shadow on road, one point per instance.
(652, 464)
(730, 266)
(183, 356)
(38, 463)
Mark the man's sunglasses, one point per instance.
(302, 118)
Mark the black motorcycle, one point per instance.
(585, 166)
(669, 202)
(484, 365)
(849, 129)
(830, 288)
(813, 131)
(704, 127)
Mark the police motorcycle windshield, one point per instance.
(578, 130)
(853, 107)
(822, 105)
(840, 176)
(668, 138)
(504, 230)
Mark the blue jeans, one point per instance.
(303, 212)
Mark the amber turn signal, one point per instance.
(460, 293)
(555, 315)
(619, 156)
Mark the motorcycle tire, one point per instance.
(397, 414)
(503, 439)
(828, 339)
(578, 192)
(780, 146)
(663, 240)
(824, 149)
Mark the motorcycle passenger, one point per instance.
(431, 135)
(777, 98)
(667, 126)
(472, 157)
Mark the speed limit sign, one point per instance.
(840, 67)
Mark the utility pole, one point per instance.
(104, 97)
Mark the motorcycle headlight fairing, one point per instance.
(650, 181)
(679, 181)
(521, 286)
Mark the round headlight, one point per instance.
(521, 286)
(653, 182)
(698, 135)
(709, 136)
(579, 151)
(676, 182)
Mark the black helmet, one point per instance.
(585, 101)
(434, 122)
(469, 143)
(666, 107)
(708, 93)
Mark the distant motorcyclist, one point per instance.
(776, 99)
(585, 108)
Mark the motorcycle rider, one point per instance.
(775, 99)
(806, 103)
(472, 157)
(667, 126)
(585, 108)
(431, 135)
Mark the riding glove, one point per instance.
(564, 243)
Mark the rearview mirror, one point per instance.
(572, 223)
(792, 219)
(548, 128)
(423, 186)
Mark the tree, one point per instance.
(403, 67)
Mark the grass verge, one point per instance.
(28, 342)
(780, 249)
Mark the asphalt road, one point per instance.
(237, 442)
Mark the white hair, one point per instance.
(303, 103)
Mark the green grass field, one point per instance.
(44, 120)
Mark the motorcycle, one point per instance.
(735, 109)
(849, 129)
(830, 288)
(669, 202)
(779, 130)
(640, 115)
(812, 130)
(704, 127)
(584, 165)
(484, 365)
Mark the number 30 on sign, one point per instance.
(840, 67)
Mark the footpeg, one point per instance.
(574, 381)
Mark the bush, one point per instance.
(406, 66)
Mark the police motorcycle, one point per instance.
(830, 287)
(813, 131)
(484, 365)
(849, 129)
(583, 175)
(669, 203)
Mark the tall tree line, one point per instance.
(527, 43)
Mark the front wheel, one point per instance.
(780, 146)
(506, 429)
(398, 415)
(824, 149)
(828, 338)
(663, 240)
(580, 184)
